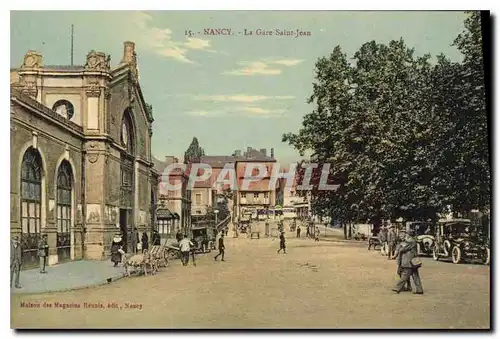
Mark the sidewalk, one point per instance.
(68, 276)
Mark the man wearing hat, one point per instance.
(43, 253)
(16, 258)
(391, 242)
(408, 267)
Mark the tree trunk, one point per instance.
(350, 230)
(344, 225)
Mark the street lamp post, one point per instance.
(216, 212)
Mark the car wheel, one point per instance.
(456, 255)
(435, 254)
(446, 248)
(487, 257)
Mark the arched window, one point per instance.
(31, 204)
(64, 209)
(127, 139)
(64, 108)
(127, 175)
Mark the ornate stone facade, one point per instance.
(92, 121)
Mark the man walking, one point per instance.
(391, 242)
(282, 243)
(221, 248)
(409, 269)
(185, 247)
(316, 234)
(298, 231)
(16, 257)
(382, 238)
(398, 255)
(43, 252)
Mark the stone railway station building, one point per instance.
(81, 166)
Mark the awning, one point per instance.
(177, 216)
(164, 214)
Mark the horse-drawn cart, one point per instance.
(204, 238)
(148, 261)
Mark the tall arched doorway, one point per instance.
(64, 210)
(127, 179)
(31, 205)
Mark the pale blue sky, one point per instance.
(229, 91)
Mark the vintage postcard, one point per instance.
(250, 170)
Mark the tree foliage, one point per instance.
(404, 138)
(194, 152)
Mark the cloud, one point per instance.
(254, 68)
(245, 111)
(258, 111)
(262, 67)
(243, 98)
(160, 40)
(204, 113)
(287, 62)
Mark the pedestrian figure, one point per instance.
(316, 235)
(391, 242)
(282, 243)
(185, 247)
(193, 253)
(398, 256)
(116, 246)
(145, 242)
(16, 261)
(221, 248)
(308, 232)
(43, 253)
(382, 238)
(298, 231)
(156, 238)
(409, 265)
(135, 240)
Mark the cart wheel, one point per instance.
(435, 254)
(456, 255)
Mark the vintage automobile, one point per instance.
(460, 240)
(424, 234)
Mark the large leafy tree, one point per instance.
(404, 138)
(462, 151)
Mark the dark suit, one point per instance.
(406, 253)
(221, 249)
(16, 261)
(43, 253)
(398, 262)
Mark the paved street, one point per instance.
(315, 285)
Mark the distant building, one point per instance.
(178, 202)
(206, 193)
(80, 154)
(293, 199)
(259, 196)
